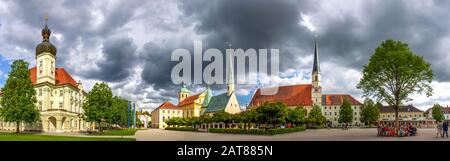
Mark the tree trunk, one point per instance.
(397, 121)
(17, 127)
(100, 127)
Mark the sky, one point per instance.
(128, 44)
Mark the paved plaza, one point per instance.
(356, 134)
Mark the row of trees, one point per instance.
(102, 107)
(272, 115)
(269, 115)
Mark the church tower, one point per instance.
(45, 58)
(316, 93)
(230, 81)
(183, 94)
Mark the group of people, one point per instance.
(389, 129)
(442, 129)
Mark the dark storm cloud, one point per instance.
(119, 58)
(348, 39)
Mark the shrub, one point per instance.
(181, 128)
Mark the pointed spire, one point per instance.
(230, 81)
(230, 70)
(316, 66)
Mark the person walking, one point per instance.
(439, 129)
(445, 129)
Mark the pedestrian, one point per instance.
(445, 129)
(439, 129)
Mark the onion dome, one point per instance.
(45, 45)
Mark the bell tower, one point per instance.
(316, 93)
(45, 58)
(183, 94)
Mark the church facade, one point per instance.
(308, 95)
(59, 97)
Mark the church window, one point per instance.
(40, 105)
(61, 92)
(60, 105)
(164, 119)
(355, 113)
(40, 92)
(40, 63)
(335, 113)
(40, 71)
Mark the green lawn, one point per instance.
(39, 137)
(122, 132)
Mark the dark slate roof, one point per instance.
(390, 109)
(316, 66)
(218, 103)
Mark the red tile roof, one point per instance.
(338, 99)
(189, 100)
(62, 77)
(293, 95)
(167, 105)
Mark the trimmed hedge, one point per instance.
(258, 131)
(285, 130)
(181, 128)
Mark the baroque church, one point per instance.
(308, 95)
(59, 96)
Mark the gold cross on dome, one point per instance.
(46, 17)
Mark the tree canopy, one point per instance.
(393, 73)
(345, 112)
(370, 112)
(98, 103)
(19, 96)
(437, 113)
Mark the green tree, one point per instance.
(98, 103)
(19, 96)
(437, 113)
(117, 114)
(296, 116)
(315, 116)
(370, 112)
(272, 113)
(345, 113)
(393, 73)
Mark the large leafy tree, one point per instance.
(296, 116)
(98, 103)
(272, 113)
(316, 117)
(437, 113)
(345, 113)
(117, 114)
(370, 112)
(393, 73)
(19, 96)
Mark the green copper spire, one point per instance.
(208, 95)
